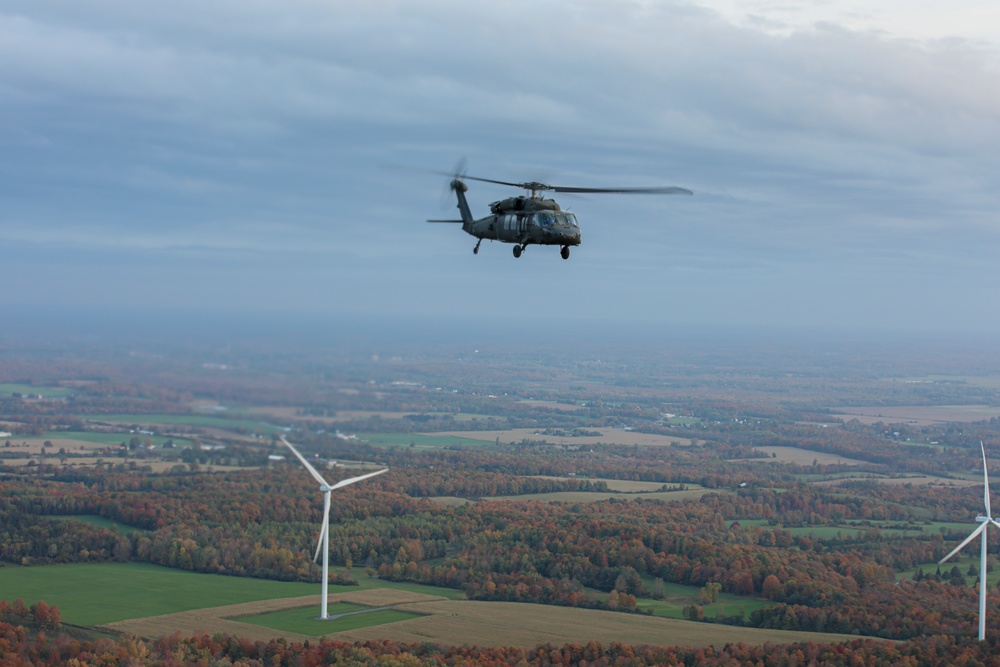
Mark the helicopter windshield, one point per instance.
(559, 218)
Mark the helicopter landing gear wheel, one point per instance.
(517, 251)
(564, 252)
(475, 251)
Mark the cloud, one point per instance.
(251, 134)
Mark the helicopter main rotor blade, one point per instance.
(535, 186)
(667, 190)
(513, 185)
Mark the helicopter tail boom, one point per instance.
(460, 189)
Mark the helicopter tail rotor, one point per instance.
(455, 175)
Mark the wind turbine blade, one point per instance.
(312, 471)
(971, 537)
(994, 522)
(319, 544)
(986, 481)
(352, 480)
(322, 531)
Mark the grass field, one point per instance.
(112, 438)
(422, 441)
(969, 557)
(620, 489)
(155, 465)
(75, 440)
(292, 414)
(594, 496)
(920, 415)
(150, 601)
(100, 522)
(986, 381)
(850, 531)
(190, 420)
(678, 596)
(6, 389)
(608, 436)
(803, 457)
(726, 605)
(626, 485)
(551, 405)
(101, 593)
(450, 501)
(896, 480)
(467, 622)
(304, 621)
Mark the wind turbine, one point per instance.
(324, 536)
(983, 522)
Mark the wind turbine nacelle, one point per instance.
(981, 519)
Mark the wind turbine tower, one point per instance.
(324, 536)
(984, 521)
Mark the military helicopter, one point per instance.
(531, 219)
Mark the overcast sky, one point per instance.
(242, 156)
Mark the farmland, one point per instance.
(602, 436)
(172, 599)
(594, 502)
(920, 415)
(415, 615)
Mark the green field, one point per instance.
(110, 439)
(100, 522)
(6, 389)
(678, 596)
(726, 605)
(189, 420)
(969, 557)
(684, 421)
(594, 496)
(98, 593)
(853, 530)
(420, 441)
(304, 621)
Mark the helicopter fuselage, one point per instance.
(540, 227)
(522, 221)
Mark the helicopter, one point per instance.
(531, 219)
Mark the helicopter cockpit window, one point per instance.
(560, 218)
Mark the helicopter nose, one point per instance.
(565, 235)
